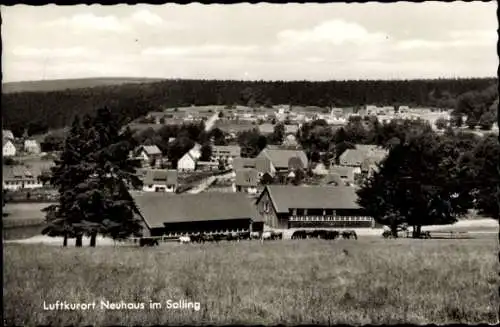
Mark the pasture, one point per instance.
(369, 281)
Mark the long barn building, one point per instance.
(284, 207)
(168, 214)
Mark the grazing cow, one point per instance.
(148, 241)
(184, 239)
(348, 234)
(244, 235)
(299, 235)
(276, 235)
(233, 237)
(267, 236)
(255, 235)
(331, 235)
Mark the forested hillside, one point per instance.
(39, 111)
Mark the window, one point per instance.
(300, 212)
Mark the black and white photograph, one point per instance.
(250, 164)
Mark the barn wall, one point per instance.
(208, 226)
(270, 217)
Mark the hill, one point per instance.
(64, 84)
(40, 111)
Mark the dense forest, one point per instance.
(40, 111)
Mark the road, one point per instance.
(210, 123)
(207, 182)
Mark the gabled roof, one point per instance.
(285, 197)
(247, 177)
(150, 149)
(20, 172)
(261, 164)
(7, 134)
(352, 157)
(280, 158)
(159, 208)
(158, 176)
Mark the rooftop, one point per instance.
(286, 197)
(160, 208)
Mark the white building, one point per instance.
(186, 163)
(20, 177)
(8, 148)
(32, 146)
(159, 180)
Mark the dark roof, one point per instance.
(280, 158)
(158, 208)
(247, 177)
(158, 176)
(286, 197)
(150, 149)
(262, 164)
(20, 172)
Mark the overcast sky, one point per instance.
(243, 41)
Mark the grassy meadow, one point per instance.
(282, 282)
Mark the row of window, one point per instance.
(330, 218)
(236, 230)
(28, 182)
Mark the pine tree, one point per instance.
(92, 177)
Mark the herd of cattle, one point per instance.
(240, 236)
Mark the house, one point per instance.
(226, 152)
(266, 129)
(262, 165)
(280, 158)
(290, 141)
(207, 165)
(7, 134)
(247, 180)
(159, 180)
(285, 206)
(187, 162)
(8, 148)
(345, 174)
(150, 155)
(21, 177)
(167, 214)
(32, 147)
(352, 158)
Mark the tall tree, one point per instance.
(92, 176)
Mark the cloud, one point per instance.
(336, 32)
(30, 52)
(202, 50)
(145, 16)
(90, 21)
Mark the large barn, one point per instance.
(285, 206)
(167, 214)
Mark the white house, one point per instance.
(149, 154)
(159, 180)
(32, 146)
(20, 177)
(186, 163)
(8, 148)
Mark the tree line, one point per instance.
(40, 111)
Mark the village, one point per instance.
(314, 194)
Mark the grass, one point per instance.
(283, 282)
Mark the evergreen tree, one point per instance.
(92, 176)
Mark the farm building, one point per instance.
(262, 165)
(346, 175)
(188, 161)
(284, 206)
(21, 177)
(8, 148)
(226, 152)
(282, 159)
(32, 147)
(158, 180)
(166, 214)
(247, 180)
(150, 155)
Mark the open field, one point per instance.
(294, 282)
